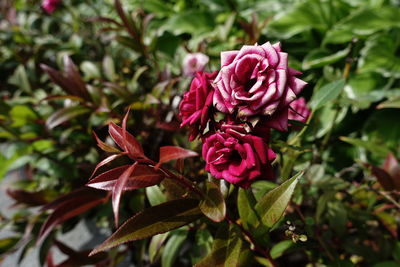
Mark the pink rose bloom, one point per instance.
(194, 108)
(236, 157)
(193, 63)
(299, 111)
(50, 5)
(256, 80)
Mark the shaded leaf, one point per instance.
(213, 204)
(393, 103)
(368, 145)
(278, 249)
(64, 115)
(326, 93)
(152, 221)
(274, 203)
(105, 162)
(70, 206)
(7, 244)
(384, 178)
(172, 247)
(155, 245)
(74, 77)
(28, 198)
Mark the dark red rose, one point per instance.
(195, 106)
(237, 157)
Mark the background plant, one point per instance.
(77, 71)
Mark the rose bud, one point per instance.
(256, 80)
(298, 110)
(193, 63)
(237, 158)
(50, 5)
(194, 108)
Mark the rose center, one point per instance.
(235, 156)
(249, 84)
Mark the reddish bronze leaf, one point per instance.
(106, 161)
(168, 153)
(70, 206)
(383, 177)
(118, 188)
(134, 149)
(28, 198)
(142, 176)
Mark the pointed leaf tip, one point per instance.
(155, 220)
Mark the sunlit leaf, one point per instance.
(326, 93)
(274, 203)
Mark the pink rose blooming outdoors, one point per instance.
(256, 80)
(50, 5)
(237, 158)
(194, 108)
(193, 63)
(298, 110)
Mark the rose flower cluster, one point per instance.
(256, 91)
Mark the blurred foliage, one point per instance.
(66, 75)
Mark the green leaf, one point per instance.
(202, 245)
(7, 243)
(155, 195)
(227, 248)
(20, 79)
(363, 22)
(184, 23)
(64, 115)
(246, 203)
(272, 205)
(278, 249)
(21, 115)
(381, 128)
(375, 148)
(109, 68)
(326, 93)
(321, 57)
(172, 248)
(152, 221)
(393, 103)
(213, 204)
(155, 245)
(380, 55)
(90, 70)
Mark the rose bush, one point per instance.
(256, 80)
